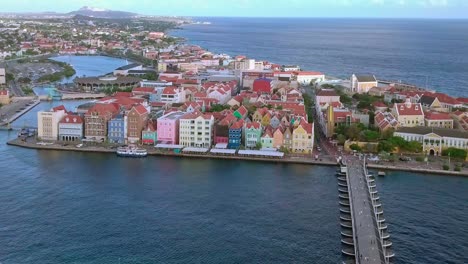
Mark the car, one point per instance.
(404, 158)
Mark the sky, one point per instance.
(258, 8)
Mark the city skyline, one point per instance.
(447, 9)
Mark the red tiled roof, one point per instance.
(437, 116)
(262, 85)
(140, 109)
(409, 108)
(71, 119)
(379, 104)
(103, 109)
(3, 92)
(255, 125)
(143, 90)
(463, 100)
(169, 90)
(238, 125)
(242, 110)
(307, 73)
(58, 108)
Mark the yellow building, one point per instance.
(408, 114)
(362, 83)
(4, 97)
(303, 138)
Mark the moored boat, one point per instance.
(132, 152)
(381, 173)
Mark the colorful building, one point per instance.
(96, 121)
(117, 129)
(149, 135)
(278, 137)
(252, 134)
(168, 128)
(196, 130)
(267, 139)
(303, 138)
(408, 114)
(235, 134)
(136, 121)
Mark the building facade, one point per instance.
(96, 121)
(252, 134)
(137, 118)
(196, 130)
(235, 134)
(47, 124)
(303, 138)
(434, 140)
(168, 128)
(71, 128)
(408, 114)
(362, 83)
(117, 129)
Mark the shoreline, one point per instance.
(288, 160)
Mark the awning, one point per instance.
(148, 141)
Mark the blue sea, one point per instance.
(429, 53)
(66, 207)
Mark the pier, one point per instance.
(364, 232)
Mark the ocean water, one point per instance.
(432, 53)
(60, 207)
(65, 207)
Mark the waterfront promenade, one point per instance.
(326, 161)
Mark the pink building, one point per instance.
(168, 128)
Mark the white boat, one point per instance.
(381, 173)
(132, 152)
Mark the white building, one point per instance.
(196, 130)
(305, 77)
(291, 68)
(47, 123)
(434, 140)
(71, 128)
(172, 94)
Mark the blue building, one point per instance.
(235, 135)
(117, 129)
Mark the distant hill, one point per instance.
(102, 13)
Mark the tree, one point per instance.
(258, 145)
(341, 139)
(369, 135)
(455, 153)
(386, 146)
(355, 147)
(413, 146)
(353, 131)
